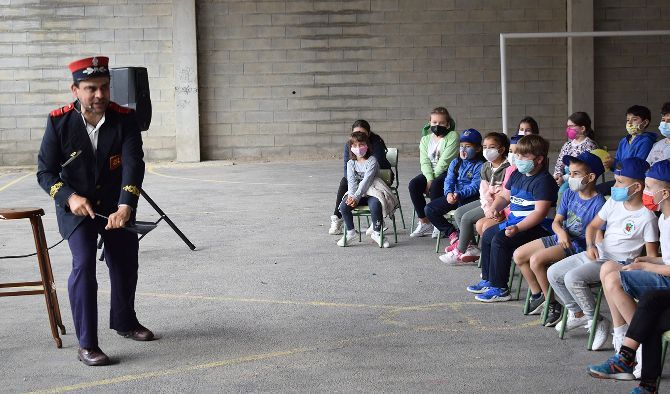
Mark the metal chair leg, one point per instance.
(545, 310)
(437, 242)
(526, 304)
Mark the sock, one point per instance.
(621, 330)
(627, 353)
(536, 296)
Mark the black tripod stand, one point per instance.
(143, 228)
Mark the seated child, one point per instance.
(623, 284)
(484, 223)
(630, 227)
(580, 203)
(461, 185)
(465, 250)
(580, 139)
(530, 192)
(638, 142)
(362, 170)
(661, 149)
(436, 152)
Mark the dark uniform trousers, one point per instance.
(110, 176)
(121, 248)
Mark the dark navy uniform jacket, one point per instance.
(111, 176)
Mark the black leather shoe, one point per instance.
(139, 333)
(93, 357)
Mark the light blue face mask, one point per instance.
(664, 128)
(620, 193)
(524, 166)
(469, 152)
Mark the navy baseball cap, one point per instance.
(660, 170)
(472, 136)
(588, 158)
(633, 167)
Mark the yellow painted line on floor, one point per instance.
(264, 301)
(15, 181)
(173, 371)
(152, 170)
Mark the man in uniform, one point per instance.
(90, 163)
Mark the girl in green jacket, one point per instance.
(436, 151)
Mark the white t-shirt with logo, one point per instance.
(664, 227)
(627, 231)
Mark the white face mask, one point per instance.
(491, 154)
(522, 132)
(510, 158)
(576, 184)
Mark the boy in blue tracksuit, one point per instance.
(638, 142)
(461, 185)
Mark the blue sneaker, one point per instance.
(494, 294)
(482, 287)
(643, 390)
(614, 368)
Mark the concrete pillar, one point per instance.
(580, 58)
(185, 52)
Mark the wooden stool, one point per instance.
(47, 282)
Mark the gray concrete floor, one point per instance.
(268, 302)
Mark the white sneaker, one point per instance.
(435, 233)
(471, 254)
(603, 328)
(335, 225)
(638, 359)
(422, 229)
(377, 237)
(617, 341)
(371, 229)
(351, 238)
(572, 323)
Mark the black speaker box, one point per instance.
(130, 87)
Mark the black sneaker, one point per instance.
(554, 314)
(535, 305)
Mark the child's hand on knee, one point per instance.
(511, 231)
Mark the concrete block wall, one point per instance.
(288, 77)
(39, 38)
(629, 70)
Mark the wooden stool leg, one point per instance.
(44, 263)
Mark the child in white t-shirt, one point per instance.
(630, 227)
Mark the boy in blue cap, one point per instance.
(462, 183)
(630, 227)
(624, 284)
(579, 205)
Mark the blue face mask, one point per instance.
(468, 152)
(524, 166)
(621, 193)
(664, 128)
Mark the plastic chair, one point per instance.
(364, 211)
(594, 321)
(392, 157)
(450, 217)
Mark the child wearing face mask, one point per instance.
(623, 284)
(362, 170)
(580, 203)
(530, 192)
(630, 227)
(661, 149)
(464, 251)
(484, 223)
(580, 139)
(461, 185)
(528, 126)
(638, 142)
(436, 152)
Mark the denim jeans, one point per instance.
(375, 211)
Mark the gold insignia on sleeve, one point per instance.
(134, 190)
(55, 188)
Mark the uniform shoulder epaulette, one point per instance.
(119, 108)
(62, 110)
